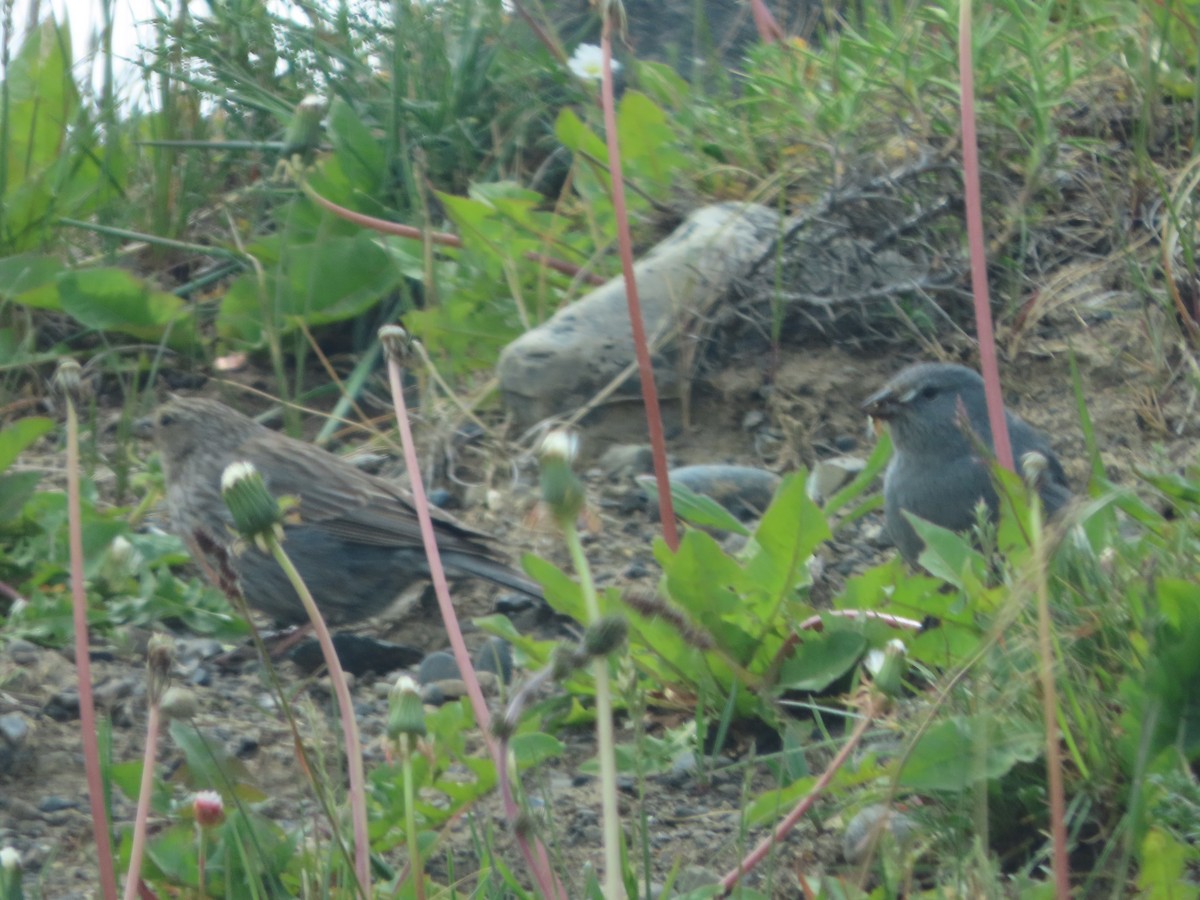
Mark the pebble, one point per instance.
(22, 652)
(495, 656)
(437, 666)
(830, 475)
(859, 836)
(622, 461)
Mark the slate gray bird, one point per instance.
(936, 472)
(357, 542)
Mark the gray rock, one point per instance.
(863, 832)
(626, 461)
(560, 365)
(437, 666)
(13, 729)
(829, 476)
(495, 656)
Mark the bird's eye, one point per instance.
(166, 419)
(928, 392)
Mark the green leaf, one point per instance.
(535, 748)
(663, 84)
(821, 659)
(22, 275)
(338, 278)
(42, 101)
(19, 436)
(700, 576)
(648, 143)
(698, 509)
(110, 299)
(1164, 865)
(787, 536)
(947, 554)
(577, 137)
(15, 490)
(360, 153)
(960, 752)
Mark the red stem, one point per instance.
(979, 285)
(535, 854)
(781, 830)
(83, 665)
(625, 243)
(383, 226)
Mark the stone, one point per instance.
(829, 476)
(560, 365)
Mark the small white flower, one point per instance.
(876, 658)
(587, 63)
(10, 859)
(235, 472)
(560, 444)
(874, 661)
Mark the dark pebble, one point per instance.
(437, 666)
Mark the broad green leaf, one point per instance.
(535, 748)
(42, 100)
(21, 275)
(337, 279)
(957, 753)
(698, 509)
(648, 143)
(110, 299)
(360, 153)
(577, 137)
(821, 659)
(787, 536)
(1164, 866)
(18, 436)
(700, 576)
(663, 84)
(241, 314)
(948, 555)
(15, 490)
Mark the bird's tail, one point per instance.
(493, 570)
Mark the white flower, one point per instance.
(10, 859)
(560, 444)
(235, 472)
(587, 63)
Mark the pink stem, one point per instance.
(625, 243)
(145, 792)
(979, 285)
(83, 665)
(781, 830)
(535, 855)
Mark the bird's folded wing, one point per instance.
(347, 503)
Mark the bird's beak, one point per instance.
(144, 428)
(883, 404)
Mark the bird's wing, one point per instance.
(349, 504)
(1053, 486)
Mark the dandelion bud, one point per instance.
(889, 666)
(396, 342)
(406, 715)
(605, 635)
(561, 488)
(256, 514)
(160, 657)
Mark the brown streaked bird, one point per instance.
(357, 542)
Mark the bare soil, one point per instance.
(780, 413)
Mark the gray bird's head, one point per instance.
(184, 425)
(921, 406)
